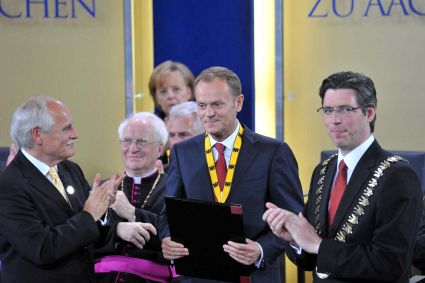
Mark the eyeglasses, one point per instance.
(140, 142)
(344, 111)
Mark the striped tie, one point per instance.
(57, 183)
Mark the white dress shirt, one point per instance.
(229, 143)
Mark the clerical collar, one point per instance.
(138, 179)
(229, 141)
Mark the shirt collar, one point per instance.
(353, 157)
(229, 141)
(138, 179)
(40, 165)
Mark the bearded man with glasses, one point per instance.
(364, 204)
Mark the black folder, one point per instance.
(203, 227)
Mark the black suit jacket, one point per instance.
(419, 252)
(43, 239)
(149, 214)
(379, 244)
(113, 245)
(266, 170)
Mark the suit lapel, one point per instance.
(71, 188)
(245, 158)
(327, 185)
(360, 175)
(39, 182)
(202, 171)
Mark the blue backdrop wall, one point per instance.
(208, 33)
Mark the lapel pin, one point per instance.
(70, 190)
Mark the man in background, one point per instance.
(7, 155)
(48, 213)
(183, 122)
(13, 150)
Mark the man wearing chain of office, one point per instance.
(364, 205)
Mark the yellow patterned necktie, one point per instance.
(57, 183)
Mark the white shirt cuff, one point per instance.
(258, 262)
(298, 250)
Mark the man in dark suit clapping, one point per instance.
(364, 204)
(48, 213)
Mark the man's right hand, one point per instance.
(135, 232)
(275, 218)
(159, 166)
(123, 207)
(101, 196)
(173, 250)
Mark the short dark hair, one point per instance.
(362, 85)
(231, 79)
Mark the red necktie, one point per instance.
(338, 191)
(220, 164)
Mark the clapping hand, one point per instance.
(101, 196)
(123, 207)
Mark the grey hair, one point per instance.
(33, 113)
(186, 109)
(159, 129)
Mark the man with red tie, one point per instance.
(364, 205)
(232, 164)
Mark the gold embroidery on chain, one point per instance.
(221, 195)
(362, 202)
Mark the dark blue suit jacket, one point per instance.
(266, 170)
